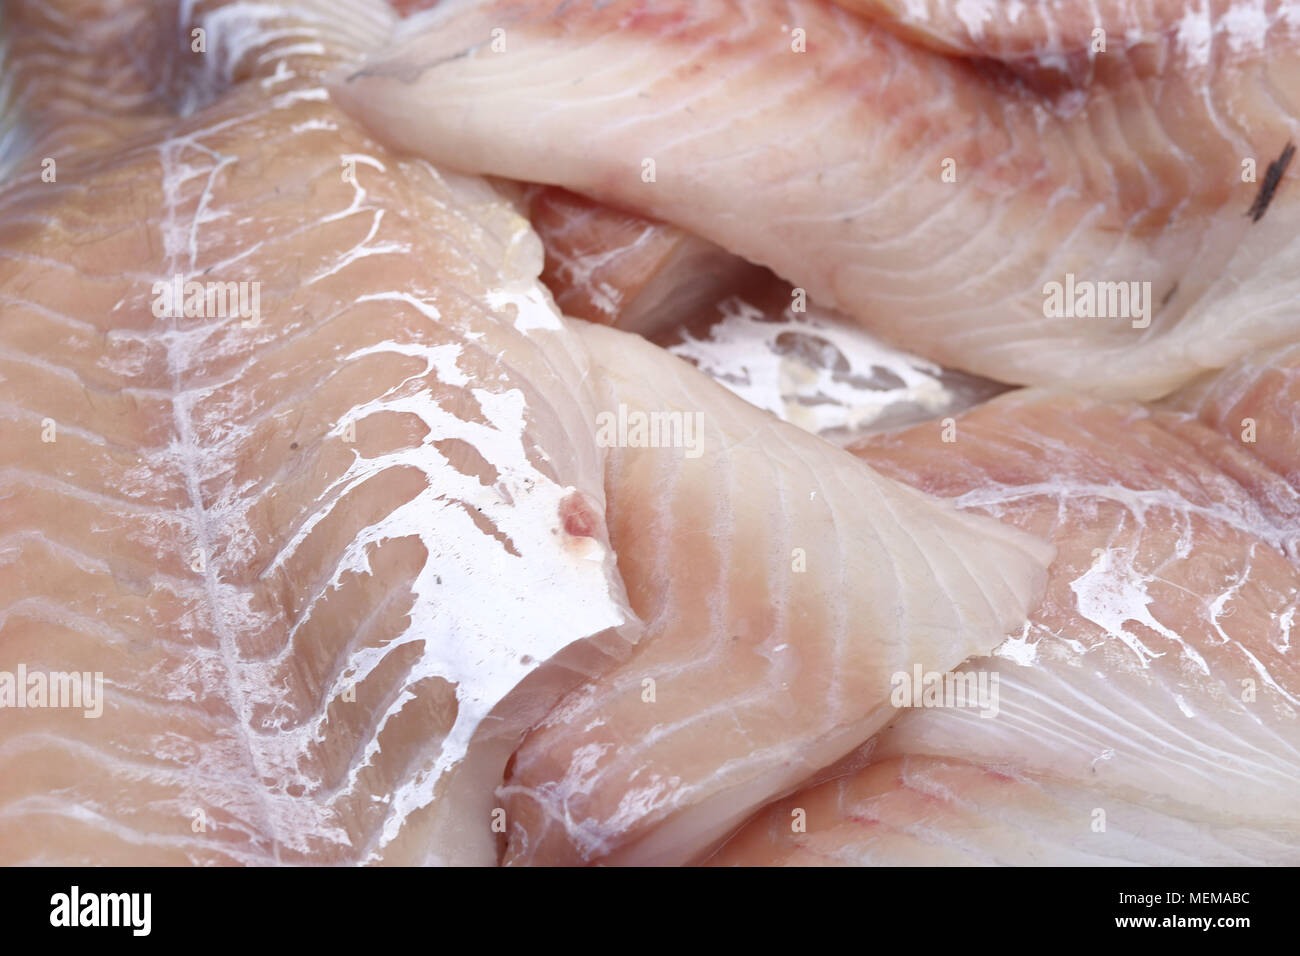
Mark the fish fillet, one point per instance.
(928, 811)
(1096, 235)
(614, 267)
(619, 269)
(1060, 35)
(301, 541)
(1155, 690)
(781, 585)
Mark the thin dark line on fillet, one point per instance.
(1268, 187)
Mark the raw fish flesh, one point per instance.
(1149, 711)
(1048, 35)
(1124, 235)
(929, 811)
(619, 269)
(298, 523)
(781, 588)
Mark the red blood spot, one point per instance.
(578, 517)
